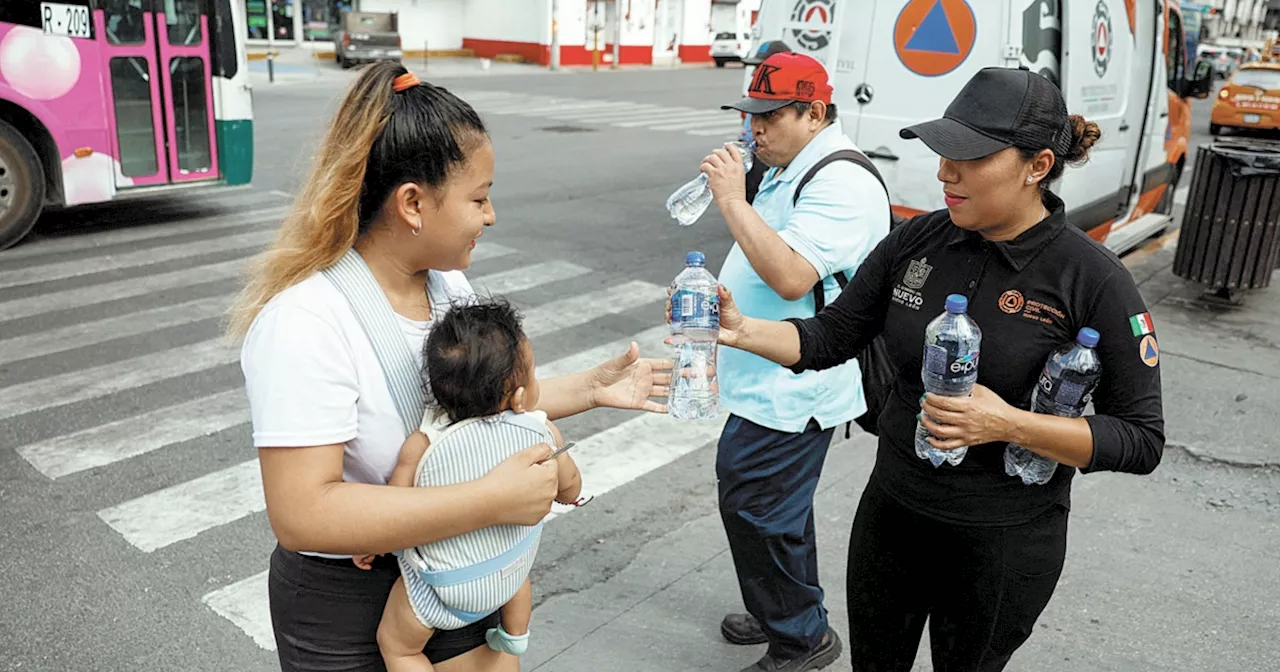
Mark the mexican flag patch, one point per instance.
(1141, 324)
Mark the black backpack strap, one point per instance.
(841, 155)
(819, 296)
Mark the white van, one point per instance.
(1120, 63)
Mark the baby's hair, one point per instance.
(473, 358)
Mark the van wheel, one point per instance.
(21, 186)
(719, 63)
(1215, 129)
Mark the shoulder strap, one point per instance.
(372, 310)
(841, 155)
(819, 296)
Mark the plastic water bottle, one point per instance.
(688, 203)
(1066, 386)
(695, 330)
(952, 342)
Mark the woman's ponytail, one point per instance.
(1084, 135)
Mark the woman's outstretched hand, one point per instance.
(629, 381)
(524, 486)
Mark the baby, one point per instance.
(479, 369)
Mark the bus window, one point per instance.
(191, 114)
(183, 17)
(135, 132)
(124, 21)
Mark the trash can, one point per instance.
(1230, 238)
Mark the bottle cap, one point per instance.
(1088, 337)
(957, 303)
(695, 259)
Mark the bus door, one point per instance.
(159, 86)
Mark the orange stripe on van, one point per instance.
(1100, 232)
(1149, 200)
(904, 211)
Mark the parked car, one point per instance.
(727, 47)
(1225, 60)
(364, 37)
(1250, 99)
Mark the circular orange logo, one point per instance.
(933, 37)
(1011, 301)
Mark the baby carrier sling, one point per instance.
(351, 275)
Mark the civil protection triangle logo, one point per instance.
(917, 273)
(1101, 41)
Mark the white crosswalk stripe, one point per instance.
(620, 114)
(78, 267)
(118, 441)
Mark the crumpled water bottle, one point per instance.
(688, 203)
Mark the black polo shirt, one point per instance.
(1028, 296)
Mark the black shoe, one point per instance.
(742, 629)
(824, 655)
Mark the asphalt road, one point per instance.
(132, 539)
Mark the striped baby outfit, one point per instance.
(457, 581)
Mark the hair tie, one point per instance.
(406, 81)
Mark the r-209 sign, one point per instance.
(66, 20)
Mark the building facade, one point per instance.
(1239, 19)
(652, 31)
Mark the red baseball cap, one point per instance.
(782, 79)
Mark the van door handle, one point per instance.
(1124, 127)
(886, 155)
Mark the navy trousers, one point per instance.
(767, 480)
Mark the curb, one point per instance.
(328, 54)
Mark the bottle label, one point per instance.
(1071, 390)
(695, 310)
(939, 362)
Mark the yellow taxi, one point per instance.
(1249, 99)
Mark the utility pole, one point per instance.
(617, 34)
(555, 34)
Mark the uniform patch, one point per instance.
(917, 273)
(1011, 301)
(1149, 351)
(1141, 324)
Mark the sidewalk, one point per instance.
(308, 70)
(1173, 571)
(299, 66)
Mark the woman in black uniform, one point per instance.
(972, 549)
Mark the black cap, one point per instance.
(765, 50)
(997, 109)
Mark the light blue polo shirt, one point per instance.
(841, 215)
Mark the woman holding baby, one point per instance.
(402, 178)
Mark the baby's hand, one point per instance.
(364, 562)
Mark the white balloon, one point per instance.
(39, 66)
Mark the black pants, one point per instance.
(981, 588)
(325, 614)
(767, 480)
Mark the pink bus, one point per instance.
(104, 99)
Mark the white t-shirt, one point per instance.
(312, 377)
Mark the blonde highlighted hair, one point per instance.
(379, 139)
